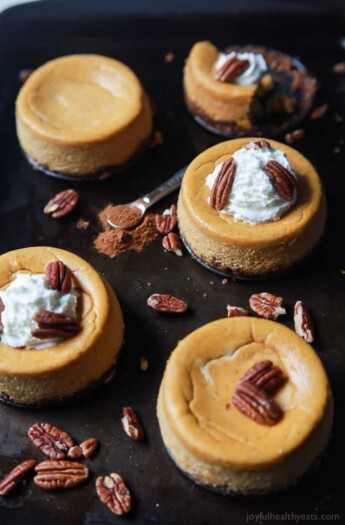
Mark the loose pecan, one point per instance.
(62, 204)
(262, 143)
(54, 326)
(223, 184)
(294, 136)
(281, 179)
(264, 375)
(75, 452)
(267, 305)
(58, 276)
(88, 447)
(303, 322)
(172, 243)
(12, 479)
(256, 404)
(54, 475)
(319, 112)
(131, 424)
(52, 441)
(167, 303)
(236, 311)
(231, 69)
(113, 492)
(2, 308)
(166, 223)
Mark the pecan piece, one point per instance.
(231, 69)
(167, 303)
(166, 223)
(62, 204)
(267, 305)
(12, 479)
(256, 404)
(2, 308)
(58, 276)
(88, 447)
(319, 112)
(236, 311)
(131, 424)
(281, 179)
(222, 186)
(54, 326)
(294, 136)
(75, 452)
(172, 243)
(52, 441)
(264, 375)
(262, 143)
(303, 322)
(53, 475)
(113, 492)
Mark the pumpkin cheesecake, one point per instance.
(244, 406)
(251, 208)
(61, 326)
(83, 116)
(246, 90)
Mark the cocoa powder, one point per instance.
(113, 242)
(123, 216)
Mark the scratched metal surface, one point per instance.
(29, 37)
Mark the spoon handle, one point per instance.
(164, 189)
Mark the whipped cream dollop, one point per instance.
(257, 67)
(253, 197)
(25, 296)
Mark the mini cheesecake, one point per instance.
(258, 231)
(54, 367)
(206, 425)
(83, 116)
(247, 90)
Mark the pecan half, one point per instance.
(131, 424)
(62, 204)
(166, 303)
(75, 452)
(281, 179)
(88, 447)
(113, 492)
(166, 223)
(223, 184)
(54, 326)
(267, 305)
(54, 475)
(231, 69)
(2, 308)
(12, 479)
(256, 404)
(303, 322)
(264, 375)
(294, 136)
(262, 143)
(236, 311)
(58, 276)
(52, 441)
(172, 243)
(319, 112)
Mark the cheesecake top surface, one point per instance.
(195, 195)
(201, 378)
(79, 99)
(94, 307)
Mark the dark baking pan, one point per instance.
(31, 35)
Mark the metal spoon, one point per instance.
(145, 202)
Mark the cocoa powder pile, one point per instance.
(113, 242)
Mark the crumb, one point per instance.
(169, 57)
(24, 75)
(212, 283)
(339, 68)
(144, 364)
(156, 140)
(157, 504)
(338, 118)
(149, 284)
(205, 295)
(336, 150)
(294, 136)
(227, 406)
(82, 224)
(225, 281)
(319, 112)
(342, 272)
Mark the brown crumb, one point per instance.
(156, 140)
(225, 281)
(227, 406)
(205, 295)
(144, 364)
(149, 284)
(212, 283)
(319, 112)
(169, 57)
(82, 224)
(294, 136)
(24, 75)
(339, 68)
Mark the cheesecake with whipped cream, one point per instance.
(83, 116)
(251, 208)
(246, 90)
(61, 327)
(244, 406)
